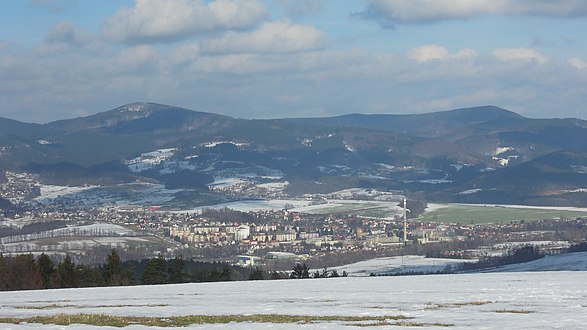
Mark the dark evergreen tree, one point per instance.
(24, 273)
(279, 275)
(65, 275)
(4, 274)
(226, 274)
(47, 269)
(89, 276)
(155, 271)
(300, 271)
(257, 274)
(114, 274)
(175, 270)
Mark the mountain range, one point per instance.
(474, 155)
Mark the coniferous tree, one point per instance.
(114, 274)
(66, 276)
(279, 275)
(89, 276)
(300, 271)
(4, 274)
(226, 274)
(175, 270)
(112, 266)
(257, 274)
(24, 273)
(47, 269)
(155, 271)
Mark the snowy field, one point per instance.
(252, 205)
(136, 193)
(400, 265)
(539, 300)
(420, 264)
(369, 209)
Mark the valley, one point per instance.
(324, 190)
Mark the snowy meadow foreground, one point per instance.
(537, 300)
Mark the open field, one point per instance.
(485, 214)
(541, 300)
(369, 209)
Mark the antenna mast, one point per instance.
(405, 219)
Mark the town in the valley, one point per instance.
(272, 238)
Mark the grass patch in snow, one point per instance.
(183, 321)
(479, 214)
(51, 306)
(400, 324)
(514, 311)
(431, 306)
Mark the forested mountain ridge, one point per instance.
(481, 154)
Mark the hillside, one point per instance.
(480, 155)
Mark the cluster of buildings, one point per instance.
(281, 234)
(18, 187)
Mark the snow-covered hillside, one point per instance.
(420, 264)
(537, 300)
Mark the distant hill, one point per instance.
(481, 154)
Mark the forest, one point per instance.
(26, 272)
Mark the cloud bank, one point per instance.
(393, 12)
(172, 20)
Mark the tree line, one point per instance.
(26, 272)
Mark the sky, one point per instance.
(63, 59)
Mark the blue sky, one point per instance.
(290, 58)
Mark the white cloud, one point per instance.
(428, 53)
(263, 83)
(65, 36)
(271, 37)
(520, 54)
(184, 54)
(427, 11)
(171, 20)
(577, 63)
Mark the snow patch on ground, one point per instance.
(95, 228)
(348, 146)
(369, 209)
(469, 192)
(51, 192)
(568, 262)
(252, 205)
(274, 186)
(216, 143)
(400, 265)
(501, 150)
(224, 183)
(431, 207)
(457, 167)
(148, 160)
